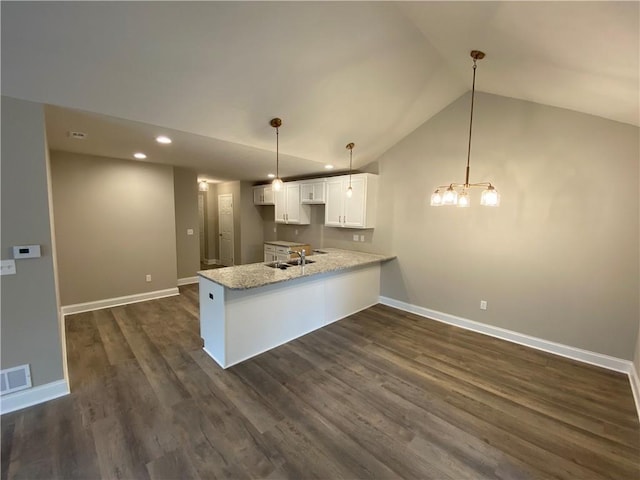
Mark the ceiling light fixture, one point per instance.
(277, 182)
(203, 185)
(271, 175)
(460, 197)
(139, 155)
(350, 148)
(163, 139)
(328, 167)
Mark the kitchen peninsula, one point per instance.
(248, 309)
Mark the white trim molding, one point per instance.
(585, 356)
(33, 396)
(117, 301)
(635, 387)
(187, 281)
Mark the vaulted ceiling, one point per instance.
(212, 74)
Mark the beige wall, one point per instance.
(115, 223)
(557, 260)
(30, 320)
(185, 188)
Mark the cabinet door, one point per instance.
(267, 195)
(280, 199)
(257, 195)
(312, 193)
(307, 192)
(333, 209)
(354, 207)
(293, 203)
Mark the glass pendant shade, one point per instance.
(463, 199)
(490, 197)
(349, 192)
(450, 197)
(277, 184)
(203, 186)
(436, 199)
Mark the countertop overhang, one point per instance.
(242, 277)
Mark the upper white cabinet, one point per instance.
(357, 211)
(288, 208)
(313, 191)
(263, 195)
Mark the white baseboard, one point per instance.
(26, 398)
(586, 356)
(579, 354)
(117, 301)
(211, 261)
(187, 281)
(635, 387)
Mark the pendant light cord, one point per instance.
(277, 153)
(350, 163)
(473, 94)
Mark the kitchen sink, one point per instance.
(280, 265)
(296, 262)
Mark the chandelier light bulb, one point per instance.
(450, 197)
(463, 199)
(436, 199)
(277, 184)
(490, 197)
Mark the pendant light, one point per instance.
(458, 193)
(277, 182)
(350, 148)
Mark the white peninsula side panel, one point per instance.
(239, 324)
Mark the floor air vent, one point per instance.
(14, 379)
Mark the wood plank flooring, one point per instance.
(381, 394)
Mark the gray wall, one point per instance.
(185, 188)
(251, 228)
(557, 260)
(30, 319)
(212, 206)
(115, 223)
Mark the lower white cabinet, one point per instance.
(357, 211)
(263, 195)
(288, 208)
(273, 253)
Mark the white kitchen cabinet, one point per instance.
(263, 195)
(273, 253)
(313, 192)
(288, 207)
(357, 211)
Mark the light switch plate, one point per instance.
(8, 267)
(355, 237)
(189, 231)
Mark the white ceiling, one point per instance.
(212, 74)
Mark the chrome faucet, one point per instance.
(301, 254)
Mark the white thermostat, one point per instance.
(26, 251)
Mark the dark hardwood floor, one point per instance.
(381, 394)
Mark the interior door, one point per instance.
(225, 228)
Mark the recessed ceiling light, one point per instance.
(140, 155)
(163, 139)
(271, 175)
(329, 167)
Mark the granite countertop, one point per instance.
(284, 243)
(242, 277)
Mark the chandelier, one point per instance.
(458, 193)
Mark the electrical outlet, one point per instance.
(148, 278)
(296, 231)
(483, 304)
(362, 238)
(355, 237)
(8, 267)
(189, 231)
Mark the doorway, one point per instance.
(225, 228)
